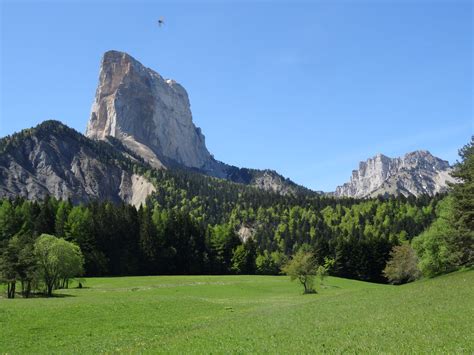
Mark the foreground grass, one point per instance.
(243, 314)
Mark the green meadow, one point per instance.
(243, 314)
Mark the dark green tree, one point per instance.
(463, 204)
(243, 259)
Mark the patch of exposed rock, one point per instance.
(245, 233)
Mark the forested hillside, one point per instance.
(168, 238)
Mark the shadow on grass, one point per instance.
(329, 286)
(41, 295)
(59, 295)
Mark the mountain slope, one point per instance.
(415, 173)
(152, 116)
(53, 159)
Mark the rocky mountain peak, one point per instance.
(149, 114)
(415, 173)
(424, 159)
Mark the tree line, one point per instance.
(118, 239)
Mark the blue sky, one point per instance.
(306, 88)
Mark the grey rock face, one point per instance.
(151, 115)
(415, 173)
(54, 160)
(271, 181)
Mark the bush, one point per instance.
(402, 266)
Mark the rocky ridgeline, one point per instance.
(415, 174)
(53, 159)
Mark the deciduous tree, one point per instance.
(402, 266)
(302, 267)
(58, 261)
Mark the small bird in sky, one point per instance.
(161, 21)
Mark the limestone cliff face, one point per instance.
(149, 114)
(415, 173)
(152, 117)
(55, 160)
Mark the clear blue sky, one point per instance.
(308, 89)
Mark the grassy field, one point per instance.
(243, 314)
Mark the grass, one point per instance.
(244, 314)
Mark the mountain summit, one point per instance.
(151, 116)
(415, 173)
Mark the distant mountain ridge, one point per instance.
(415, 173)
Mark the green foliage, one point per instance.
(329, 263)
(61, 219)
(436, 246)
(463, 204)
(270, 263)
(58, 261)
(243, 258)
(402, 266)
(18, 264)
(448, 243)
(322, 272)
(78, 229)
(8, 267)
(9, 222)
(223, 240)
(302, 267)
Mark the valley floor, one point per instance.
(243, 314)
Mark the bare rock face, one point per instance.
(152, 117)
(55, 160)
(415, 174)
(245, 233)
(149, 114)
(269, 180)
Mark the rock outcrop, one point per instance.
(415, 174)
(149, 114)
(152, 117)
(53, 159)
